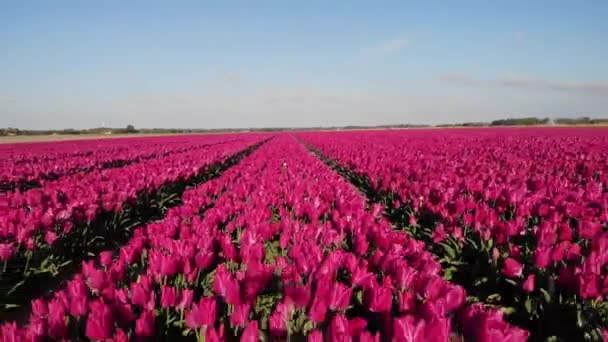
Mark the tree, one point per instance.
(130, 129)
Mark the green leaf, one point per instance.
(448, 273)
(308, 326)
(359, 296)
(546, 294)
(508, 310)
(495, 297)
(528, 305)
(451, 254)
(480, 281)
(472, 299)
(579, 319)
(15, 287)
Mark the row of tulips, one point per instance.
(34, 152)
(54, 227)
(518, 217)
(278, 247)
(16, 175)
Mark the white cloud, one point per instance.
(457, 78)
(520, 36)
(158, 99)
(389, 47)
(7, 100)
(230, 78)
(523, 81)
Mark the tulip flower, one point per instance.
(315, 336)
(240, 315)
(100, 322)
(379, 298)
(512, 268)
(318, 309)
(185, 299)
(202, 314)
(528, 285)
(251, 333)
(144, 326)
(168, 297)
(408, 329)
(339, 296)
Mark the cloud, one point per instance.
(158, 100)
(299, 99)
(460, 79)
(273, 100)
(520, 36)
(525, 81)
(302, 98)
(528, 82)
(298, 95)
(389, 47)
(230, 77)
(8, 100)
(330, 99)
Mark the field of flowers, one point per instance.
(517, 217)
(415, 235)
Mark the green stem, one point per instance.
(27, 262)
(198, 274)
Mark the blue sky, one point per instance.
(298, 63)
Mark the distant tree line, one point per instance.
(68, 131)
(580, 121)
(531, 121)
(130, 129)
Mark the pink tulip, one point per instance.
(97, 280)
(512, 268)
(588, 286)
(240, 315)
(339, 296)
(100, 322)
(528, 285)
(251, 333)
(408, 329)
(318, 309)
(542, 257)
(202, 313)
(168, 297)
(339, 328)
(315, 336)
(40, 308)
(299, 295)
(379, 299)
(140, 294)
(185, 299)
(79, 306)
(144, 326)
(6, 251)
(105, 258)
(57, 328)
(10, 332)
(455, 297)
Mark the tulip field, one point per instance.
(400, 235)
